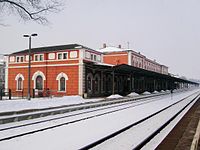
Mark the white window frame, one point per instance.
(19, 59)
(16, 79)
(35, 75)
(38, 55)
(62, 55)
(59, 76)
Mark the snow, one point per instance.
(146, 93)
(160, 137)
(111, 49)
(103, 64)
(114, 96)
(78, 134)
(155, 92)
(133, 94)
(132, 137)
(38, 103)
(162, 91)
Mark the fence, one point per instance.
(22, 94)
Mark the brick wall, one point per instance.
(116, 58)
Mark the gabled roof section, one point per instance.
(51, 49)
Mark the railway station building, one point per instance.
(78, 70)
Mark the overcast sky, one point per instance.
(165, 30)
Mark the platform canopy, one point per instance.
(127, 69)
(123, 68)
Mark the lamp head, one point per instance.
(25, 35)
(34, 34)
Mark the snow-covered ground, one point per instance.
(38, 103)
(79, 134)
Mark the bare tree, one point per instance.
(30, 9)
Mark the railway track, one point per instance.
(141, 144)
(27, 115)
(98, 112)
(13, 132)
(15, 116)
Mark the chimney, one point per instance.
(120, 46)
(104, 45)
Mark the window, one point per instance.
(89, 82)
(39, 83)
(62, 78)
(20, 59)
(19, 83)
(62, 55)
(39, 57)
(92, 56)
(36, 57)
(17, 59)
(62, 84)
(95, 57)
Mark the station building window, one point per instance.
(19, 82)
(39, 82)
(96, 83)
(39, 57)
(38, 78)
(89, 82)
(20, 59)
(62, 78)
(62, 84)
(62, 55)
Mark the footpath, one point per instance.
(185, 135)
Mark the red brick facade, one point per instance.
(60, 70)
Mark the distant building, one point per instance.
(118, 55)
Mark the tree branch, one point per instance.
(33, 9)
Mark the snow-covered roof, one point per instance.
(111, 49)
(104, 64)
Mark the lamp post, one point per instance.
(29, 64)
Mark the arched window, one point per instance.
(89, 82)
(97, 83)
(39, 82)
(38, 78)
(109, 83)
(19, 84)
(62, 78)
(62, 84)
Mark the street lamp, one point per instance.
(29, 64)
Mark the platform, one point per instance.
(181, 137)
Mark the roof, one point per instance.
(111, 49)
(51, 48)
(130, 69)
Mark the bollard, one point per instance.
(22, 93)
(1, 94)
(9, 93)
(33, 93)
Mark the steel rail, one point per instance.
(62, 110)
(98, 142)
(66, 123)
